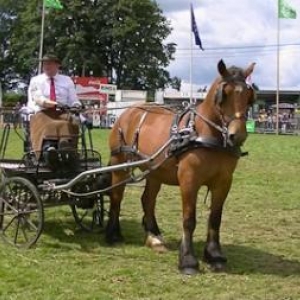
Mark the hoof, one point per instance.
(217, 267)
(217, 258)
(156, 243)
(160, 248)
(189, 271)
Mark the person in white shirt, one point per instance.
(51, 129)
(40, 85)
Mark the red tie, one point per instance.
(52, 90)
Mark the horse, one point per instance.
(205, 148)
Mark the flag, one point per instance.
(285, 11)
(53, 4)
(195, 29)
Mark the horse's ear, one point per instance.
(249, 70)
(222, 68)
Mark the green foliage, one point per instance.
(11, 99)
(176, 83)
(93, 38)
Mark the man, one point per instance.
(49, 128)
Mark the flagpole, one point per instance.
(42, 38)
(278, 71)
(191, 67)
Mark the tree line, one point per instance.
(123, 40)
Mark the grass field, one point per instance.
(260, 236)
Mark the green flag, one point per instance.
(285, 11)
(53, 4)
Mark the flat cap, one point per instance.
(51, 58)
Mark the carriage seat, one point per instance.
(60, 153)
(56, 151)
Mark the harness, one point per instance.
(186, 138)
(132, 149)
(182, 139)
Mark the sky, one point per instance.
(239, 32)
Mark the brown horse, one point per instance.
(204, 152)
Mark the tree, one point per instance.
(8, 17)
(121, 39)
(175, 83)
(139, 55)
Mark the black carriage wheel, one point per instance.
(90, 219)
(21, 212)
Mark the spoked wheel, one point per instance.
(21, 212)
(90, 218)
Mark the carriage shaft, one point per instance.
(52, 187)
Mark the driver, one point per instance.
(51, 129)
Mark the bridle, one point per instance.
(225, 120)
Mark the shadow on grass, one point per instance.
(248, 260)
(241, 259)
(66, 234)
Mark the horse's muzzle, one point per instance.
(237, 133)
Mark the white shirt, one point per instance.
(39, 89)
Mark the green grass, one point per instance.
(260, 236)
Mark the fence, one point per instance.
(290, 126)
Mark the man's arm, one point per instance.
(72, 95)
(35, 95)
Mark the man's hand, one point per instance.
(49, 104)
(77, 105)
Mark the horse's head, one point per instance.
(233, 96)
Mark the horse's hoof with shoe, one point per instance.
(156, 243)
(215, 259)
(188, 265)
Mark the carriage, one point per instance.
(199, 146)
(27, 185)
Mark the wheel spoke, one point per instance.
(11, 221)
(10, 206)
(28, 212)
(17, 231)
(24, 232)
(31, 224)
(21, 212)
(90, 219)
(83, 216)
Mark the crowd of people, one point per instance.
(288, 120)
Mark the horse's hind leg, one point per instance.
(153, 235)
(212, 252)
(113, 229)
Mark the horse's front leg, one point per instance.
(212, 252)
(188, 263)
(154, 239)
